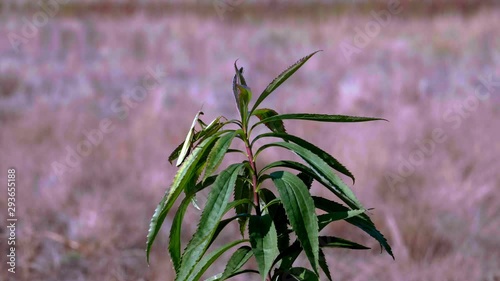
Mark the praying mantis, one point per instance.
(193, 136)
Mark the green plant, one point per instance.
(270, 218)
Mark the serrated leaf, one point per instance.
(225, 222)
(336, 242)
(329, 159)
(174, 246)
(324, 265)
(191, 189)
(300, 274)
(325, 219)
(264, 241)
(299, 207)
(318, 118)
(362, 221)
(322, 169)
(243, 190)
(210, 218)
(278, 214)
(218, 152)
(237, 260)
(275, 126)
(208, 260)
(280, 79)
(183, 177)
(289, 255)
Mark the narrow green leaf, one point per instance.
(330, 160)
(362, 221)
(225, 222)
(244, 96)
(174, 246)
(243, 190)
(237, 260)
(238, 273)
(278, 214)
(299, 207)
(204, 184)
(280, 79)
(275, 126)
(300, 274)
(264, 241)
(191, 189)
(183, 177)
(218, 152)
(208, 260)
(318, 118)
(321, 168)
(324, 265)
(210, 218)
(222, 225)
(336, 242)
(325, 219)
(270, 204)
(289, 164)
(289, 255)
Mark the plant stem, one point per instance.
(251, 160)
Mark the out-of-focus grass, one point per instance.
(91, 223)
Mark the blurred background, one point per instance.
(94, 95)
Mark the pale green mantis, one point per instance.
(192, 137)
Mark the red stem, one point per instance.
(254, 177)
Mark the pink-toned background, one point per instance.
(431, 69)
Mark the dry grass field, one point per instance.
(90, 147)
